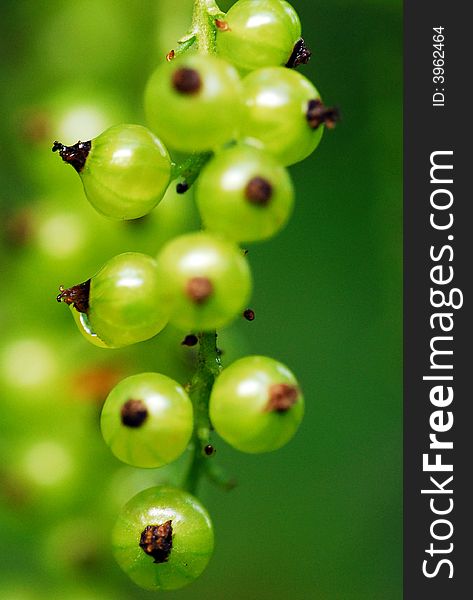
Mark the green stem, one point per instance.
(203, 25)
(203, 33)
(208, 368)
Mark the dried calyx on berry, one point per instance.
(133, 413)
(77, 296)
(186, 81)
(318, 114)
(156, 541)
(282, 397)
(259, 191)
(199, 289)
(301, 55)
(75, 155)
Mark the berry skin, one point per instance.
(125, 170)
(256, 404)
(119, 305)
(163, 538)
(244, 194)
(147, 420)
(85, 329)
(278, 103)
(205, 281)
(259, 33)
(194, 103)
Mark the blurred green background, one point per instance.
(318, 519)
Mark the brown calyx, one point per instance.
(282, 397)
(77, 295)
(186, 81)
(199, 289)
(300, 55)
(259, 191)
(156, 541)
(318, 114)
(75, 155)
(133, 413)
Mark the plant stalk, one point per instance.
(203, 25)
(208, 368)
(203, 32)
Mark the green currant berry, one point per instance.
(163, 538)
(147, 420)
(120, 304)
(125, 170)
(259, 33)
(284, 114)
(256, 404)
(205, 281)
(244, 194)
(194, 102)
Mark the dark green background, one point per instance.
(320, 518)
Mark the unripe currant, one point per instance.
(119, 305)
(205, 281)
(194, 102)
(245, 194)
(256, 404)
(284, 113)
(125, 170)
(163, 538)
(147, 420)
(261, 33)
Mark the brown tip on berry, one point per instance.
(249, 314)
(186, 81)
(259, 191)
(77, 295)
(133, 413)
(199, 289)
(170, 55)
(318, 114)
(300, 55)
(156, 541)
(209, 450)
(282, 397)
(222, 25)
(75, 155)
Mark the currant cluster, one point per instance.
(228, 103)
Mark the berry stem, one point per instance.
(208, 368)
(203, 33)
(203, 25)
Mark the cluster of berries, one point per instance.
(240, 115)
